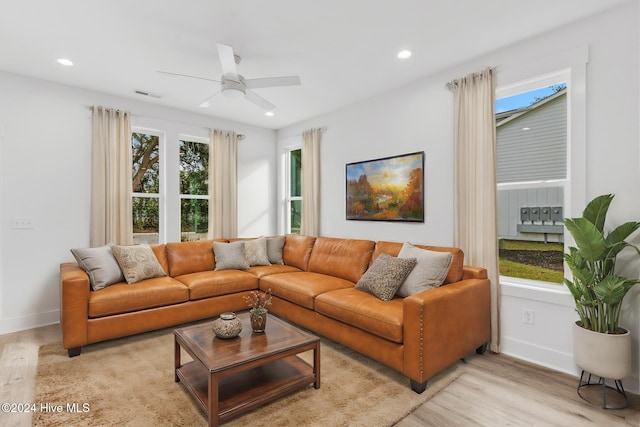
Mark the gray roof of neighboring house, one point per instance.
(507, 116)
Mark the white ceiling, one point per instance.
(343, 50)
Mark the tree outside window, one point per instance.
(294, 197)
(194, 190)
(146, 187)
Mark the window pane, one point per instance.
(146, 166)
(531, 137)
(194, 219)
(194, 168)
(296, 215)
(146, 220)
(296, 173)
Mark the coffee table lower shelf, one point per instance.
(246, 390)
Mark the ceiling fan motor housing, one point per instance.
(233, 88)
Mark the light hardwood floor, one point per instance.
(495, 390)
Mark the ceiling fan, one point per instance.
(235, 85)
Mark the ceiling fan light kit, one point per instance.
(234, 85)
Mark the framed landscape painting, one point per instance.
(387, 189)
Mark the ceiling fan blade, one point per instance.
(273, 81)
(259, 101)
(206, 103)
(227, 61)
(187, 75)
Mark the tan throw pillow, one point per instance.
(430, 271)
(137, 262)
(385, 276)
(274, 249)
(230, 256)
(255, 251)
(100, 265)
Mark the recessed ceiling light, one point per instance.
(66, 62)
(525, 129)
(405, 54)
(269, 114)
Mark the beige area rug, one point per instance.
(130, 382)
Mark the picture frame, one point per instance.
(386, 189)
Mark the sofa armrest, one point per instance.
(469, 272)
(74, 305)
(443, 325)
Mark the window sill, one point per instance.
(536, 291)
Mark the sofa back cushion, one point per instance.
(161, 253)
(455, 271)
(344, 258)
(190, 257)
(296, 250)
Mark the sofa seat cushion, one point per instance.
(266, 270)
(302, 287)
(364, 311)
(206, 284)
(125, 298)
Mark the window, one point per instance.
(146, 187)
(294, 190)
(170, 173)
(531, 138)
(194, 190)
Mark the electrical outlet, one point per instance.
(527, 316)
(23, 223)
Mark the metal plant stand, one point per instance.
(602, 383)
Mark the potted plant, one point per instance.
(601, 347)
(258, 301)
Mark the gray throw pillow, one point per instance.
(385, 276)
(230, 256)
(430, 270)
(255, 251)
(137, 262)
(100, 265)
(274, 249)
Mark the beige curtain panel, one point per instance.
(223, 184)
(310, 221)
(476, 229)
(111, 206)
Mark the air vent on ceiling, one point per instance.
(145, 93)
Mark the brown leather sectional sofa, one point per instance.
(418, 335)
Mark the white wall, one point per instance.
(605, 159)
(406, 120)
(44, 175)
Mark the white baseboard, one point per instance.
(546, 357)
(21, 323)
(553, 359)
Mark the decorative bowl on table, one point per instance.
(227, 326)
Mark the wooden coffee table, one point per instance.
(228, 377)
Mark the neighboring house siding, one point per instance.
(538, 153)
(510, 202)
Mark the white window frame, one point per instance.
(199, 140)
(512, 79)
(161, 178)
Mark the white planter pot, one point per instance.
(604, 355)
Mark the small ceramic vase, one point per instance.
(258, 319)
